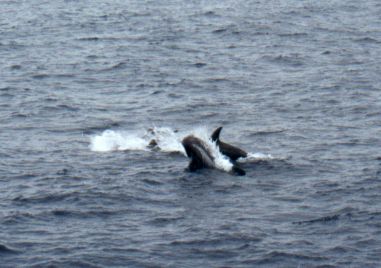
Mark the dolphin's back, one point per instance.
(199, 153)
(231, 151)
(201, 156)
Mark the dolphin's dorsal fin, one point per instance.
(216, 134)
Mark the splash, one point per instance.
(255, 157)
(166, 140)
(111, 140)
(220, 160)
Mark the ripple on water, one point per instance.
(279, 258)
(7, 250)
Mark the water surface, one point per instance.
(297, 80)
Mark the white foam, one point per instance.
(111, 140)
(167, 139)
(253, 157)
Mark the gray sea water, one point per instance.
(295, 83)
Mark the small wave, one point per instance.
(19, 115)
(120, 65)
(199, 64)
(294, 60)
(44, 198)
(61, 107)
(216, 80)
(220, 30)
(151, 182)
(93, 38)
(325, 219)
(215, 242)
(206, 14)
(342, 249)
(274, 257)
(210, 14)
(368, 40)
(267, 132)
(163, 221)
(293, 34)
(16, 67)
(5, 249)
(64, 263)
(68, 75)
(40, 76)
(15, 218)
(84, 214)
(7, 88)
(96, 128)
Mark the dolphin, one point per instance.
(226, 149)
(201, 157)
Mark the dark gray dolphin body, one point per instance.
(226, 149)
(201, 156)
(198, 152)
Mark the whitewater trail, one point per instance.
(167, 140)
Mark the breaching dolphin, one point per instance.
(201, 157)
(226, 149)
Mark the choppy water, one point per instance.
(297, 80)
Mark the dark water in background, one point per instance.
(299, 80)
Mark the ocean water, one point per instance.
(297, 84)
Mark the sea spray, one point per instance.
(255, 157)
(111, 140)
(166, 140)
